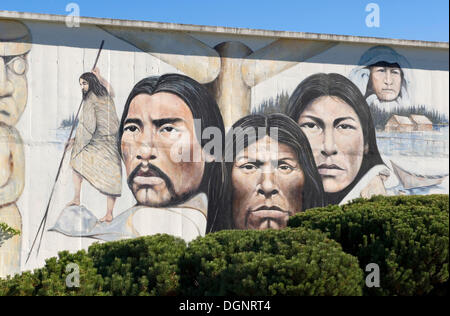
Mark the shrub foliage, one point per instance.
(143, 266)
(51, 279)
(324, 252)
(407, 236)
(6, 233)
(261, 263)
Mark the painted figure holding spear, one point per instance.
(95, 156)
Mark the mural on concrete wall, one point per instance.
(270, 174)
(384, 78)
(201, 134)
(172, 195)
(94, 154)
(334, 116)
(15, 43)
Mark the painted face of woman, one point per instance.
(336, 137)
(267, 185)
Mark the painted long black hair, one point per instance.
(203, 107)
(284, 130)
(336, 85)
(94, 85)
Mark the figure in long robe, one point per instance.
(95, 156)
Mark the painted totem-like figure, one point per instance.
(230, 68)
(15, 43)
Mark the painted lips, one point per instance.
(329, 170)
(266, 217)
(4, 104)
(147, 178)
(4, 113)
(150, 181)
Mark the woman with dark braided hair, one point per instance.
(95, 156)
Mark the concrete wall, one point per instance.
(41, 61)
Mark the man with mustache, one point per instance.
(166, 125)
(162, 147)
(15, 44)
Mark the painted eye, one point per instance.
(169, 129)
(248, 167)
(131, 128)
(309, 125)
(346, 126)
(285, 168)
(18, 65)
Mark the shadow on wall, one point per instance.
(186, 45)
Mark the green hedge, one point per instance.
(288, 262)
(144, 266)
(261, 263)
(407, 236)
(51, 279)
(7, 232)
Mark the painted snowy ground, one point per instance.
(425, 153)
(42, 160)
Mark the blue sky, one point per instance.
(404, 19)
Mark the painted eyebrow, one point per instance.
(289, 161)
(286, 159)
(317, 120)
(338, 120)
(257, 162)
(161, 122)
(138, 122)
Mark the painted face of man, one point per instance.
(337, 141)
(13, 68)
(158, 130)
(84, 86)
(386, 82)
(267, 185)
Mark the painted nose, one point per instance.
(268, 186)
(328, 145)
(6, 87)
(147, 150)
(146, 153)
(388, 78)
